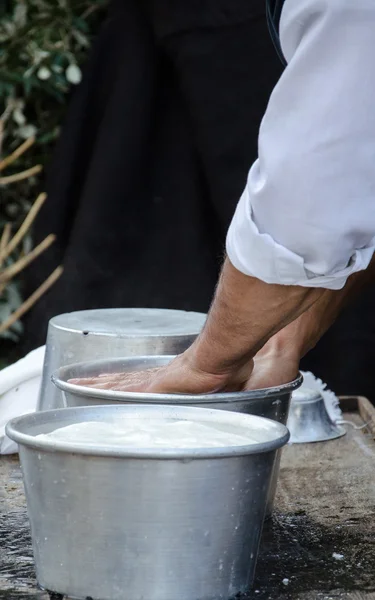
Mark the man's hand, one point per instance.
(270, 367)
(245, 314)
(179, 376)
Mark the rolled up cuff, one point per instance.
(259, 255)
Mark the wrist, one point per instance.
(215, 373)
(286, 344)
(245, 314)
(208, 355)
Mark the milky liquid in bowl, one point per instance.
(159, 433)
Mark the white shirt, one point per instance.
(307, 215)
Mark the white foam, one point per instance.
(331, 401)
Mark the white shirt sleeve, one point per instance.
(307, 215)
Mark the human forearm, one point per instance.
(301, 335)
(278, 361)
(245, 313)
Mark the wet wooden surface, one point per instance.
(325, 507)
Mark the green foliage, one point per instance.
(42, 46)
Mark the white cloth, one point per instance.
(307, 215)
(19, 391)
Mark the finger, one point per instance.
(115, 378)
(135, 384)
(87, 381)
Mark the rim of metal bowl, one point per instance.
(118, 396)
(72, 415)
(57, 322)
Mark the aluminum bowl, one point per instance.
(109, 333)
(272, 403)
(309, 420)
(148, 524)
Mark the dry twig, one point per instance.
(9, 244)
(13, 270)
(24, 227)
(31, 300)
(16, 154)
(5, 237)
(20, 176)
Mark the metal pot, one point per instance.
(308, 419)
(146, 524)
(110, 333)
(272, 403)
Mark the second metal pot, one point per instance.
(110, 333)
(272, 403)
